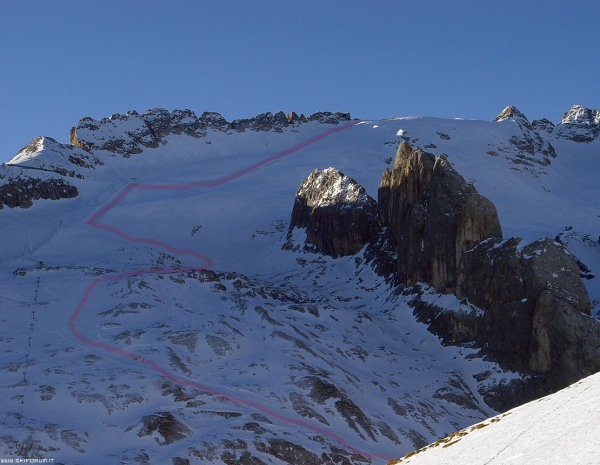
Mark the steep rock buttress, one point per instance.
(527, 306)
(535, 313)
(432, 216)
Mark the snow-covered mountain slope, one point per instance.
(560, 428)
(157, 317)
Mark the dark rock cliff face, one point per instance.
(535, 305)
(432, 217)
(338, 215)
(524, 305)
(22, 191)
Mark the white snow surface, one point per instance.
(559, 428)
(269, 321)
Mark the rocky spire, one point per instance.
(512, 113)
(534, 310)
(432, 217)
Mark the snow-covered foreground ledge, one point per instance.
(560, 428)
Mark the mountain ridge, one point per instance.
(323, 339)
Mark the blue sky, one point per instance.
(63, 60)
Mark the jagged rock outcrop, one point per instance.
(338, 215)
(279, 121)
(579, 124)
(532, 148)
(262, 122)
(524, 305)
(543, 125)
(213, 120)
(512, 113)
(164, 426)
(536, 308)
(22, 191)
(131, 133)
(294, 119)
(432, 216)
(326, 117)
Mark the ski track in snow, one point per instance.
(94, 221)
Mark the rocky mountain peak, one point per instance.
(512, 113)
(336, 211)
(331, 186)
(579, 124)
(530, 148)
(34, 148)
(46, 154)
(581, 115)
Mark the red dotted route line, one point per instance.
(94, 221)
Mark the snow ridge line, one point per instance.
(536, 424)
(207, 263)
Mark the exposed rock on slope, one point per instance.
(339, 216)
(130, 133)
(262, 122)
(534, 308)
(164, 424)
(278, 121)
(46, 154)
(579, 124)
(512, 113)
(532, 148)
(432, 217)
(22, 191)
